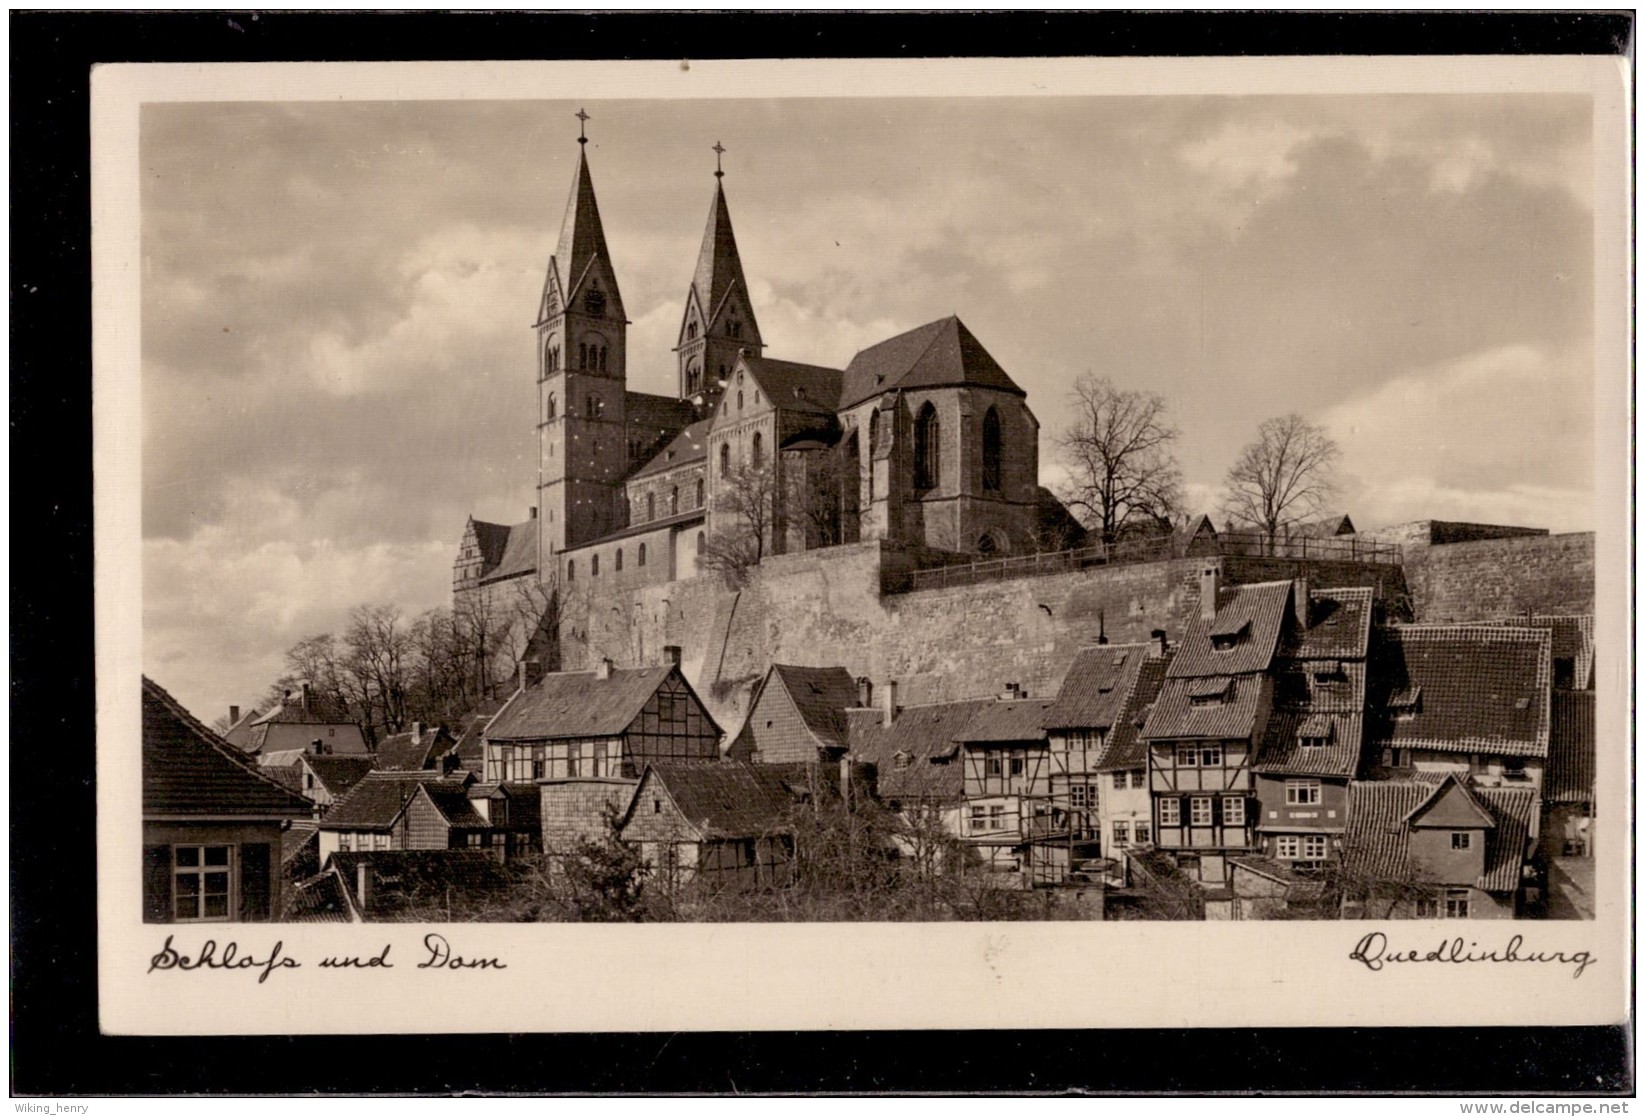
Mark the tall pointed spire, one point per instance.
(719, 268)
(582, 237)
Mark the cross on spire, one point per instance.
(718, 150)
(582, 126)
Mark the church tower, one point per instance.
(581, 379)
(719, 314)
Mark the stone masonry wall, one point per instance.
(1500, 577)
(576, 808)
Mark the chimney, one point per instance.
(362, 885)
(533, 511)
(416, 732)
(865, 692)
(1102, 626)
(308, 695)
(233, 715)
(889, 705)
(531, 673)
(671, 654)
(1159, 635)
(602, 669)
(1208, 580)
(1299, 602)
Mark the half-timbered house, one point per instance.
(720, 826)
(610, 721)
(912, 757)
(375, 815)
(1007, 783)
(1079, 725)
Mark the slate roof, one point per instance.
(724, 798)
(1097, 685)
(577, 704)
(1480, 688)
(1259, 609)
(410, 884)
(1007, 720)
(1377, 841)
(519, 555)
(1282, 752)
(377, 800)
(1175, 716)
(492, 541)
(690, 445)
(719, 266)
(582, 241)
(189, 770)
(1571, 774)
(821, 695)
(339, 774)
(1125, 747)
(792, 386)
(406, 752)
(654, 419)
(927, 734)
(939, 353)
(1339, 625)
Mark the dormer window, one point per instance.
(1227, 637)
(1329, 671)
(1405, 703)
(1316, 732)
(901, 760)
(1210, 692)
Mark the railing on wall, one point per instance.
(1151, 550)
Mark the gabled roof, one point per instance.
(1256, 613)
(418, 884)
(339, 774)
(491, 541)
(1378, 838)
(1450, 805)
(1176, 715)
(1339, 625)
(470, 747)
(321, 710)
(1006, 720)
(1097, 685)
(319, 899)
(524, 803)
(451, 800)
(719, 267)
(410, 751)
(723, 798)
(189, 770)
(1573, 639)
(927, 735)
(578, 704)
(690, 445)
(288, 776)
(518, 555)
(377, 800)
(654, 417)
(937, 354)
(821, 695)
(582, 240)
(1477, 688)
(1282, 751)
(1570, 776)
(791, 386)
(1125, 747)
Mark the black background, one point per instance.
(56, 1046)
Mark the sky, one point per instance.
(337, 360)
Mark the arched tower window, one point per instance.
(725, 459)
(991, 450)
(756, 454)
(674, 501)
(594, 565)
(739, 401)
(551, 355)
(619, 559)
(582, 354)
(642, 555)
(927, 448)
(553, 407)
(987, 545)
(699, 492)
(691, 331)
(602, 357)
(650, 506)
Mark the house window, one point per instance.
(1122, 833)
(1016, 765)
(641, 559)
(757, 453)
(1456, 903)
(996, 817)
(873, 430)
(1396, 758)
(1119, 781)
(1314, 847)
(656, 806)
(600, 766)
(345, 841)
(308, 780)
(927, 449)
(1461, 839)
(1187, 756)
(1210, 756)
(1233, 812)
(900, 760)
(674, 501)
(1302, 793)
(1288, 847)
(203, 879)
(991, 451)
(1144, 834)
(993, 767)
(1139, 778)
(1513, 767)
(699, 542)
(1170, 812)
(1077, 796)
(1200, 811)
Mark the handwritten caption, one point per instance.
(1374, 952)
(437, 954)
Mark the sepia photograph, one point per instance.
(928, 506)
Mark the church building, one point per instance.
(921, 440)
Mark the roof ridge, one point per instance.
(200, 729)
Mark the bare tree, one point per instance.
(1283, 478)
(744, 523)
(1117, 449)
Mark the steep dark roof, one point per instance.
(409, 752)
(1125, 748)
(1097, 685)
(1573, 639)
(418, 884)
(936, 354)
(791, 386)
(654, 418)
(1257, 612)
(927, 735)
(724, 798)
(690, 445)
(582, 241)
(525, 804)
(1176, 716)
(1282, 751)
(1477, 688)
(1339, 625)
(519, 554)
(319, 899)
(339, 774)
(492, 540)
(287, 776)
(376, 801)
(189, 770)
(719, 266)
(1378, 838)
(321, 710)
(298, 839)
(1570, 776)
(451, 800)
(1007, 720)
(470, 747)
(821, 695)
(577, 704)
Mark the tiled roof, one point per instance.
(1377, 842)
(470, 747)
(189, 770)
(821, 695)
(288, 776)
(1450, 804)
(1282, 750)
(1339, 625)
(1570, 776)
(519, 554)
(408, 752)
(1096, 687)
(282, 758)
(577, 704)
(792, 386)
(451, 800)
(1325, 685)
(1299, 889)
(725, 798)
(322, 710)
(719, 268)
(1125, 748)
(926, 734)
(377, 800)
(492, 541)
(689, 516)
(339, 774)
(1482, 688)
(416, 884)
(1006, 720)
(938, 353)
(299, 837)
(319, 899)
(1505, 848)
(655, 420)
(1175, 716)
(1573, 639)
(1258, 611)
(690, 445)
